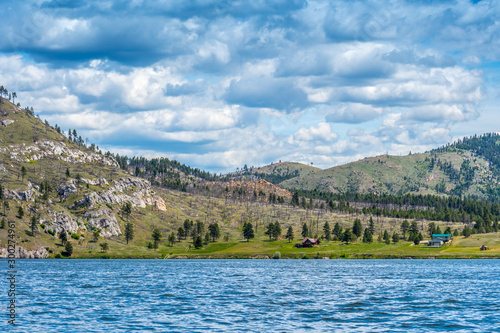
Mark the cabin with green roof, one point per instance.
(439, 239)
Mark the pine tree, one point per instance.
(129, 232)
(181, 234)
(63, 236)
(289, 234)
(395, 237)
(23, 172)
(171, 238)
(387, 238)
(418, 238)
(348, 236)
(371, 226)
(305, 231)
(405, 226)
(214, 231)
(248, 231)
(33, 225)
(357, 228)
(104, 246)
(68, 249)
(20, 212)
(270, 230)
(198, 242)
(277, 230)
(367, 236)
(156, 237)
(432, 228)
(2, 224)
(337, 231)
(327, 232)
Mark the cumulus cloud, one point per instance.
(354, 113)
(321, 132)
(213, 83)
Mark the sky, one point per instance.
(222, 84)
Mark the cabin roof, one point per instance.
(441, 235)
(312, 240)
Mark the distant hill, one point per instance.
(469, 167)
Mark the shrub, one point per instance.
(277, 255)
(75, 236)
(109, 206)
(58, 256)
(51, 232)
(42, 225)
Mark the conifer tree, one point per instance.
(289, 234)
(129, 232)
(248, 231)
(156, 237)
(63, 236)
(367, 236)
(387, 238)
(327, 232)
(305, 231)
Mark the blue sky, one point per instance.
(221, 84)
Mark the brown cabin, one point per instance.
(310, 242)
(483, 248)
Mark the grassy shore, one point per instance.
(460, 248)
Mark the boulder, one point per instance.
(22, 253)
(7, 122)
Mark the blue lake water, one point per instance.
(256, 295)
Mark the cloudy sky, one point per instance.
(220, 84)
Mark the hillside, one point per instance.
(52, 182)
(469, 167)
(66, 185)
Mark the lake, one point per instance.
(256, 295)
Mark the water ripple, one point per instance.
(255, 295)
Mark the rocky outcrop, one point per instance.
(61, 221)
(45, 148)
(65, 190)
(141, 195)
(96, 181)
(21, 253)
(104, 220)
(25, 195)
(7, 122)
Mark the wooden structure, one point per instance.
(483, 247)
(310, 242)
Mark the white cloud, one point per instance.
(354, 113)
(322, 132)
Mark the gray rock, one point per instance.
(22, 253)
(7, 122)
(65, 190)
(104, 220)
(61, 221)
(25, 195)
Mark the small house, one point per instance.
(438, 240)
(435, 243)
(310, 242)
(483, 247)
